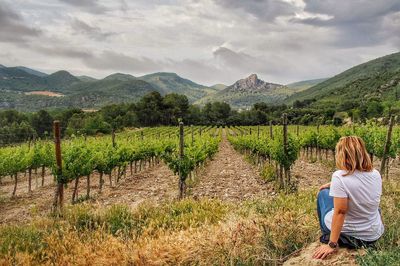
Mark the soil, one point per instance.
(341, 257)
(229, 177)
(131, 190)
(45, 93)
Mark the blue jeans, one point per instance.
(324, 205)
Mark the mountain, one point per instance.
(120, 77)
(219, 87)
(13, 78)
(86, 78)
(172, 83)
(32, 71)
(246, 92)
(26, 91)
(60, 80)
(377, 78)
(305, 84)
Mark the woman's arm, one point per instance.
(327, 185)
(340, 210)
(339, 213)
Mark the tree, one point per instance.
(374, 109)
(175, 106)
(149, 109)
(114, 115)
(217, 113)
(42, 122)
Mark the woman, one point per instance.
(348, 206)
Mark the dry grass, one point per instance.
(189, 232)
(202, 232)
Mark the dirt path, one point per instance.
(152, 184)
(229, 177)
(311, 174)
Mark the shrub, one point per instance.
(119, 220)
(178, 215)
(21, 239)
(82, 217)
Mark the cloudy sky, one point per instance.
(207, 41)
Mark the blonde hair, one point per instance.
(352, 155)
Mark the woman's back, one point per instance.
(363, 190)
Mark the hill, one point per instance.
(32, 71)
(375, 79)
(60, 80)
(172, 83)
(16, 83)
(86, 78)
(305, 84)
(120, 77)
(219, 87)
(246, 92)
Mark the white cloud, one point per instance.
(209, 41)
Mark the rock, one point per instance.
(342, 257)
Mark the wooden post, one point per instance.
(250, 132)
(387, 145)
(200, 131)
(141, 135)
(285, 146)
(113, 137)
(297, 130)
(59, 195)
(182, 184)
(271, 134)
(258, 132)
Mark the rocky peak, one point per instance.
(252, 78)
(252, 84)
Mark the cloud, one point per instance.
(355, 23)
(84, 28)
(266, 10)
(109, 60)
(13, 27)
(62, 51)
(208, 41)
(91, 6)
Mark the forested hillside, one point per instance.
(87, 92)
(376, 80)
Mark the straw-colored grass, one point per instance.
(188, 232)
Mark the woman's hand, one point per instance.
(327, 185)
(323, 251)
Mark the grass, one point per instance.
(388, 247)
(189, 232)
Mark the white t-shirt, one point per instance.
(363, 189)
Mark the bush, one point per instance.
(82, 217)
(21, 239)
(119, 220)
(268, 173)
(178, 215)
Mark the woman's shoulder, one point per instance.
(343, 173)
(339, 173)
(375, 172)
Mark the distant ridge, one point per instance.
(120, 76)
(167, 82)
(219, 87)
(32, 71)
(246, 92)
(24, 89)
(305, 84)
(375, 79)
